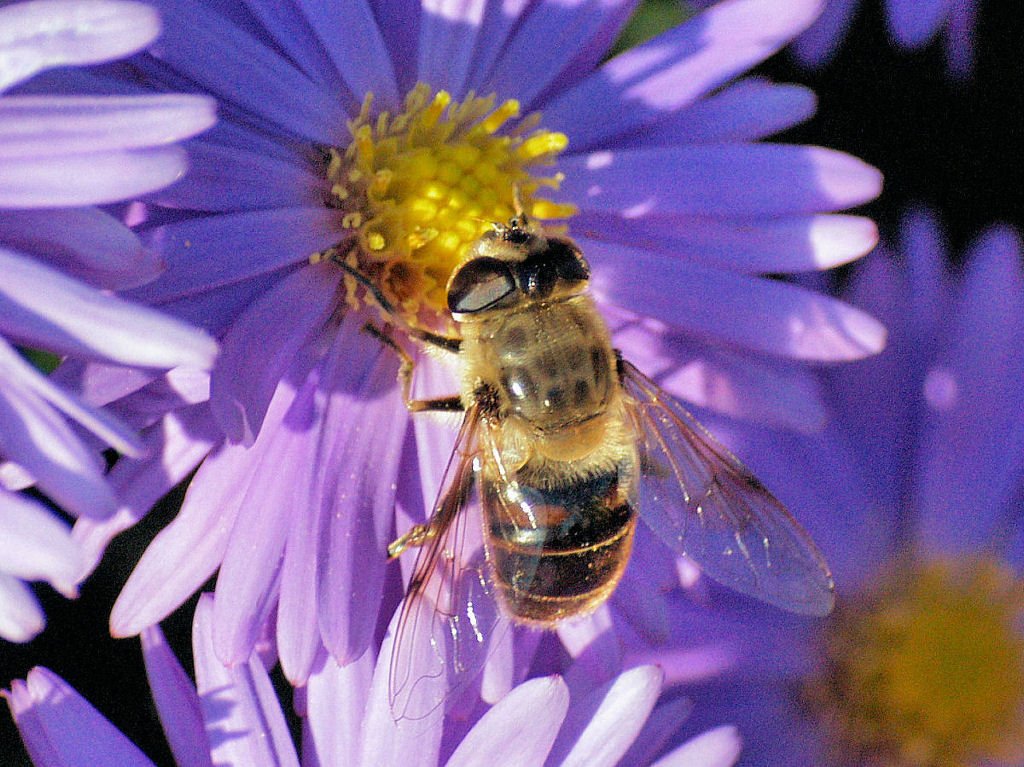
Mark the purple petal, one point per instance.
(35, 545)
(357, 463)
(959, 39)
(717, 180)
(600, 728)
(244, 722)
(21, 618)
(203, 253)
(14, 367)
(177, 702)
(276, 493)
(913, 23)
(512, 733)
(173, 448)
(719, 747)
(758, 314)
(816, 47)
(449, 32)
(353, 40)
(399, 26)
(287, 318)
(218, 56)
(227, 178)
(409, 742)
(499, 22)
(749, 110)
(186, 552)
(659, 729)
(44, 308)
(721, 379)
(48, 181)
(770, 245)
(336, 704)
(51, 33)
(86, 243)
(60, 728)
(553, 44)
(35, 435)
(675, 68)
(44, 126)
(973, 435)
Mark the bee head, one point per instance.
(516, 263)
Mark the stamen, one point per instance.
(417, 188)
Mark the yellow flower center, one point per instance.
(927, 670)
(416, 189)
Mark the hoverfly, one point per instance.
(563, 446)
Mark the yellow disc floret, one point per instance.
(415, 189)
(928, 669)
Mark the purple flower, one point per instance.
(912, 24)
(352, 131)
(235, 718)
(59, 153)
(919, 495)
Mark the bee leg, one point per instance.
(452, 404)
(448, 343)
(417, 536)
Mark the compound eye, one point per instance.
(479, 285)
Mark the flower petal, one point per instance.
(817, 46)
(186, 552)
(51, 33)
(449, 30)
(177, 702)
(86, 243)
(758, 246)
(511, 732)
(21, 617)
(601, 727)
(758, 314)
(44, 126)
(913, 23)
(244, 721)
(675, 68)
(281, 458)
(42, 307)
(973, 433)
(336, 703)
(357, 464)
(285, 320)
(35, 545)
(216, 55)
(49, 181)
(60, 728)
(173, 447)
(203, 253)
(553, 45)
(716, 180)
(719, 747)
(749, 110)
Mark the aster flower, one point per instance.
(912, 25)
(58, 153)
(234, 718)
(919, 492)
(355, 132)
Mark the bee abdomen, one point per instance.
(573, 560)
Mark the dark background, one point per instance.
(958, 147)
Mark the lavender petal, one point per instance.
(21, 617)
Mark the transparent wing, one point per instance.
(704, 503)
(449, 615)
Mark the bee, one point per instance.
(564, 445)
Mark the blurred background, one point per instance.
(957, 146)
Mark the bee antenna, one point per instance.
(521, 218)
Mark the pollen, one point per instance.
(415, 189)
(927, 670)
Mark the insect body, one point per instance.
(563, 445)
